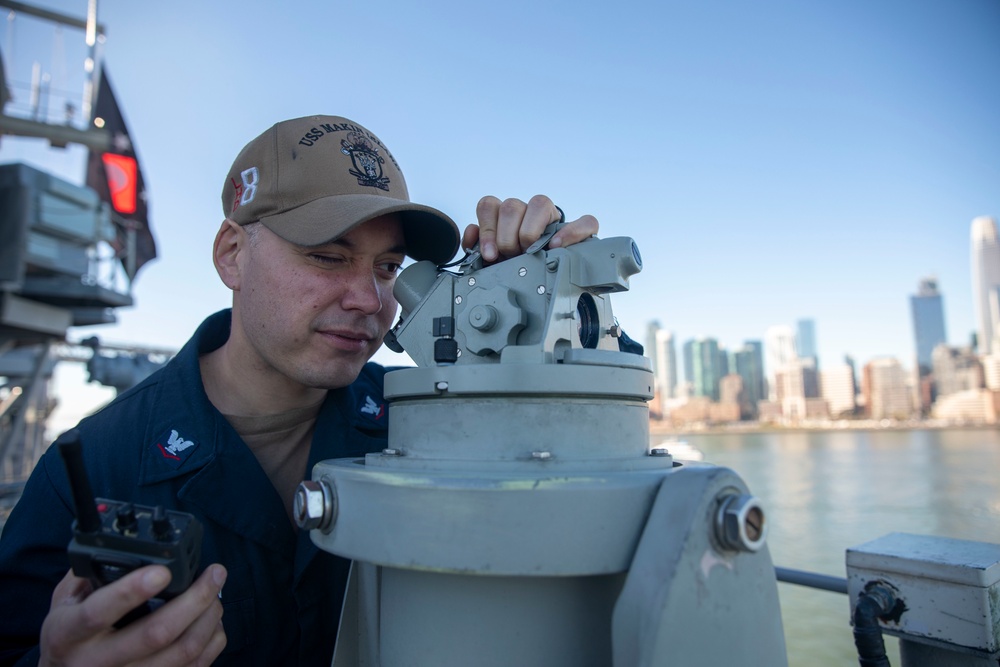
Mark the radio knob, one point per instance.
(126, 521)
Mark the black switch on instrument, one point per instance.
(445, 347)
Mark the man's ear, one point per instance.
(229, 243)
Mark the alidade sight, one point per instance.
(535, 308)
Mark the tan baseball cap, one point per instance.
(310, 180)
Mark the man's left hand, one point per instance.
(507, 228)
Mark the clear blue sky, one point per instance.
(774, 159)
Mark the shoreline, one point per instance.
(659, 428)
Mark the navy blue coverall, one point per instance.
(282, 597)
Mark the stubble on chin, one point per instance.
(338, 372)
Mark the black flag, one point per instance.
(117, 178)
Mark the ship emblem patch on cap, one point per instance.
(173, 448)
(367, 161)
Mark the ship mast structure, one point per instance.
(57, 271)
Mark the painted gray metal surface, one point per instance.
(951, 589)
(499, 524)
(689, 602)
(577, 434)
(684, 600)
(562, 380)
(401, 617)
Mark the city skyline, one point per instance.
(926, 315)
(784, 344)
(945, 382)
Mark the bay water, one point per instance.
(825, 491)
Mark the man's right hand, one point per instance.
(187, 630)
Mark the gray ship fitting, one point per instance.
(519, 516)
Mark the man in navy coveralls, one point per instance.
(317, 223)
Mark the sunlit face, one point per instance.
(316, 314)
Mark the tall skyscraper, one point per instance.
(805, 341)
(779, 349)
(662, 353)
(985, 279)
(849, 360)
(666, 363)
(927, 309)
(687, 351)
(748, 363)
(756, 349)
(705, 367)
(649, 348)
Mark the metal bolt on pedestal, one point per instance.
(315, 506)
(740, 524)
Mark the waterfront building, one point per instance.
(756, 349)
(994, 299)
(706, 367)
(723, 413)
(684, 391)
(790, 389)
(748, 363)
(795, 383)
(768, 412)
(955, 369)
(817, 409)
(779, 349)
(927, 311)
(886, 390)
(849, 360)
(666, 363)
(810, 377)
(692, 411)
(731, 392)
(789, 393)
(985, 279)
(805, 341)
(649, 345)
(837, 387)
(687, 351)
(924, 393)
(668, 406)
(971, 405)
(663, 356)
(991, 371)
(723, 360)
